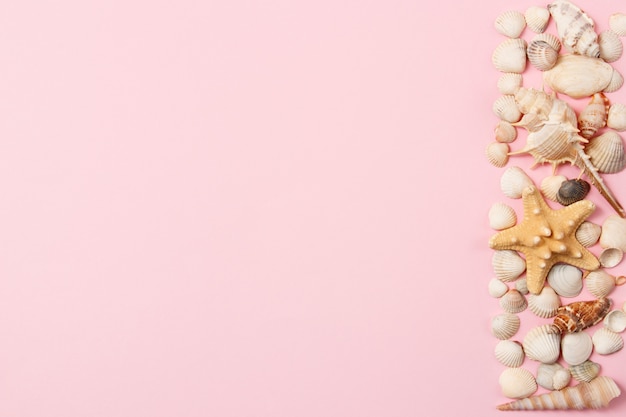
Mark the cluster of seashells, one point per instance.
(575, 63)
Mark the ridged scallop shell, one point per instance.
(611, 47)
(588, 233)
(521, 285)
(552, 376)
(580, 315)
(502, 216)
(566, 280)
(606, 342)
(543, 343)
(615, 83)
(552, 40)
(600, 283)
(593, 116)
(497, 154)
(585, 371)
(506, 109)
(576, 347)
(509, 353)
(497, 288)
(617, 23)
(505, 132)
(513, 181)
(572, 191)
(545, 304)
(508, 265)
(550, 186)
(509, 83)
(586, 395)
(513, 301)
(575, 28)
(579, 76)
(510, 23)
(606, 152)
(610, 257)
(504, 325)
(541, 55)
(615, 321)
(613, 233)
(616, 118)
(537, 18)
(510, 56)
(517, 383)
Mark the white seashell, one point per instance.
(510, 56)
(513, 181)
(617, 23)
(517, 383)
(504, 325)
(541, 55)
(600, 283)
(505, 132)
(513, 301)
(506, 109)
(566, 280)
(553, 376)
(593, 116)
(521, 285)
(576, 347)
(610, 257)
(615, 321)
(579, 76)
(497, 288)
(585, 371)
(509, 353)
(606, 341)
(550, 39)
(615, 83)
(509, 83)
(543, 343)
(497, 154)
(611, 47)
(502, 216)
(537, 18)
(575, 28)
(613, 232)
(508, 265)
(550, 186)
(544, 304)
(616, 118)
(588, 233)
(510, 23)
(606, 152)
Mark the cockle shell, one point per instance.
(513, 181)
(517, 383)
(506, 109)
(610, 257)
(615, 83)
(509, 83)
(578, 76)
(501, 216)
(545, 304)
(504, 325)
(616, 118)
(565, 280)
(541, 55)
(606, 152)
(497, 288)
(617, 23)
(508, 265)
(575, 28)
(505, 132)
(552, 40)
(572, 191)
(521, 285)
(588, 233)
(615, 321)
(550, 186)
(537, 18)
(510, 23)
(580, 315)
(600, 283)
(509, 353)
(585, 371)
(611, 47)
(510, 56)
(606, 341)
(543, 343)
(593, 116)
(576, 347)
(552, 376)
(497, 154)
(613, 233)
(513, 301)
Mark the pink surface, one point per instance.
(251, 208)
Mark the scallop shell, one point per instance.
(586, 395)
(600, 283)
(517, 383)
(497, 288)
(513, 301)
(506, 109)
(615, 321)
(613, 232)
(610, 257)
(552, 376)
(543, 343)
(550, 39)
(575, 28)
(537, 18)
(521, 285)
(504, 325)
(615, 83)
(606, 341)
(572, 191)
(509, 83)
(505, 132)
(579, 76)
(593, 116)
(510, 23)
(545, 304)
(585, 371)
(508, 265)
(509, 353)
(502, 216)
(510, 56)
(566, 280)
(541, 55)
(580, 315)
(550, 186)
(576, 347)
(606, 152)
(588, 233)
(617, 23)
(497, 154)
(513, 181)
(611, 47)
(616, 118)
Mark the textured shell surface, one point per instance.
(545, 304)
(505, 325)
(593, 116)
(613, 232)
(509, 83)
(513, 181)
(606, 342)
(585, 371)
(521, 285)
(572, 191)
(533, 101)
(550, 186)
(617, 23)
(595, 394)
(615, 321)
(541, 55)
(610, 257)
(611, 47)
(517, 383)
(600, 283)
(543, 343)
(510, 56)
(580, 315)
(505, 132)
(576, 347)
(615, 83)
(565, 280)
(513, 301)
(578, 76)
(616, 119)
(606, 152)
(497, 153)
(506, 109)
(588, 233)
(553, 40)
(509, 353)
(508, 265)
(552, 376)
(497, 288)
(575, 28)
(510, 23)
(501, 216)
(537, 18)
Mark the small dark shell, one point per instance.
(572, 191)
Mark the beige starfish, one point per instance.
(546, 237)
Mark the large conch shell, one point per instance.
(575, 28)
(586, 395)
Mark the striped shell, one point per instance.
(616, 118)
(585, 371)
(611, 47)
(545, 304)
(575, 28)
(617, 23)
(615, 83)
(497, 154)
(543, 343)
(552, 40)
(580, 315)
(606, 342)
(550, 186)
(509, 353)
(572, 191)
(552, 376)
(508, 265)
(588, 233)
(541, 55)
(566, 280)
(576, 347)
(502, 216)
(510, 56)
(513, 181)
(504, 325)
(505, 132)
(517, 383)
(510, 23)
(521, 285)
(506, 109)
(600, 283)
(509, 83)
(606, 152)
(537, 18)
(513, 301)
(593, 116)
(497, 288)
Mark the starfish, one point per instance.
(546, 237)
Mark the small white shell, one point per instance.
(521, 285)
(513, 301)
(544, 304)
(510, 56)
(509, 83)
(497, 288)
(588, 233)
(600, 283)
(606, 341)
(497, 154)
(508, 265)
(550, 186)
(615, 321)
(615, 83)
(606, 152)
(541, 55)
(543, 343)
(613, 232)
(585, 371)
(617, 23)
(505, 132)
(506, 108)
(552, 376)
(513, 181)
(576, 347)
(550, 39)
(610, 257)
(611, 47)
(616, 118)
(565, 280)
(537, 18)
(504, 325)
(510, 23)
(517, 383)
(502, 216)
(509, 353)
(580, 76)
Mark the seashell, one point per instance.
(566, 280)
(509, 353)
(509, 83)
(508, 265)
(497, 288)
(510, 23)
(517, 383)
(585, 371)
(575, 28)
(541, 55)
(513, 181)
(545, 304)
(611, 47)
(553, 376)
(504, 325)
(532, 101)
(578, 76)
(543, 343)
(537, 18)
(606, 152)
(600, 283)
(513, 301)
(615, 83)
(521, 285)
(593, 116)
(616, 118)
(615, 321)
(576, 347)
(505, 132)
(617, 23)
(552, 40)
(572, 191)
(606, 341)
(613, 233)
(580, 315)
(550, 186)
(497, 154)
(506, 109)
(610, 257)
(510, 56)
(586, 395)
(588, 233)
(502, 216)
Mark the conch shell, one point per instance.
(575, 28)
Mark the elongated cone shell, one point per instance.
(580, 315)
(586, 395)
(593, 116)
(575, 28)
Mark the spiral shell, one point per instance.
(575, 28)
(617, 23)
(611, 47)
(566, 280)
(509, 353)
(510, 56)
(588, 233)
(580, 315)
(505, 132)
(513, 181)
(497, 154)
(572, 191)
(550, 186)
(545, 304)
(585, 371)
(552, 376)
(508, 265)
(606, 152)
(610, 257)
(615, 321)
(613, 233)
(541, 55)
(502, 216)
(543, 343)
(509, 83)
(510, 23)
(506, 109)
(593, 116)
(504, 325)
(576, 347)
(606, 342)
(513, 301)
(616, 118)
(537, 18)
(497, 288)
(517, 383)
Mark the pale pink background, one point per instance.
(251, 208)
